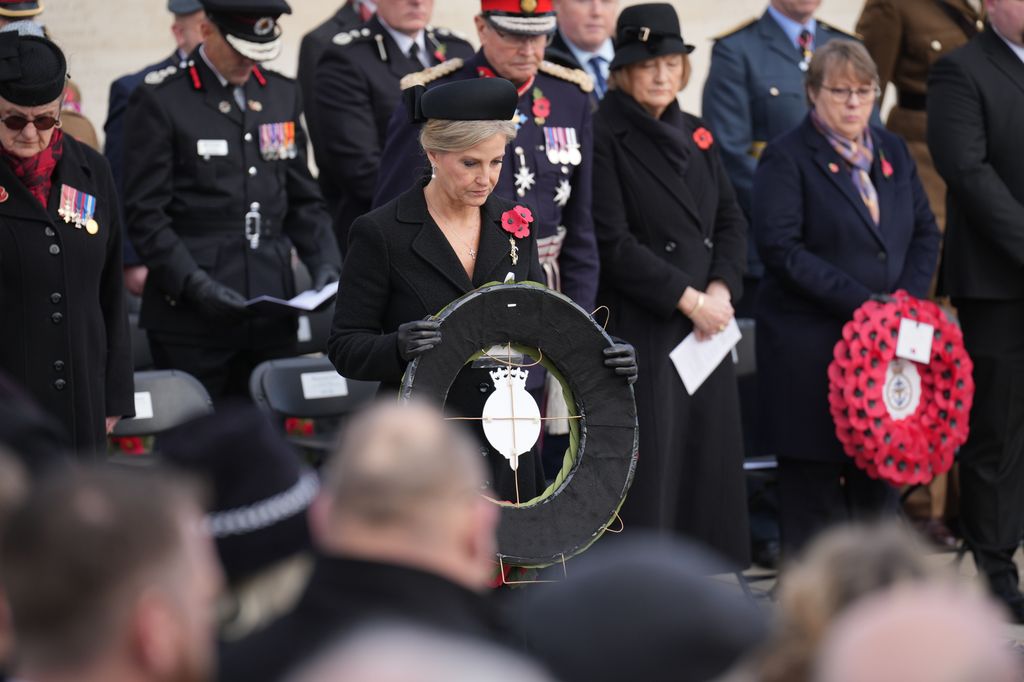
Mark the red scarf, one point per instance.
(36, 172)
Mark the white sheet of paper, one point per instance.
(310, 299)
(143, 405)
(323, 385)
(915, 341)
(696, 360)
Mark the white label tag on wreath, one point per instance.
(902, 390)
(511, 417)
(915, 341)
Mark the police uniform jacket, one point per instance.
(310, 50)
(754, 92)
(357, 91)
(344, 594)
(560, 193)
(662, 227)
(905, 38)
(113, 145)
(824, 256)
(400, 268)
(198, 165)
(65, 325)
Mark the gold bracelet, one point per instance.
(697, 306)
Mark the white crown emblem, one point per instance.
(510, 375)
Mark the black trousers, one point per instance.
(992, 459)
(224, 372)
(814, 495)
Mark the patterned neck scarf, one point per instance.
(36, 172)
(859, 155)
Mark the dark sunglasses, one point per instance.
(18, 123)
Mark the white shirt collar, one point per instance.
(222, 79)
(403, 41)
(1017, 49)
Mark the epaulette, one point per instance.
(829, 27)
(577, 76)
(431, 74)
(737, 28)
(346, 37)
(157, 77)
(448, 33)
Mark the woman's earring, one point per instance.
(433, 171)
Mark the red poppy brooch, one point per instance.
(901, 419)
(703, 138)
(886, 166)
(517, 223)
(541, 107)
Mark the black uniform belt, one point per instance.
(199, 228)
(913, 101)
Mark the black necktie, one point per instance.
(414, 54)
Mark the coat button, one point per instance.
(59, 384)
(773, 91)
(49, 232)
(248, 137)
(252, 171)
(484, 387)
(882, 256)
(670, 247)
(58, 365)
(55, 298)
(57, 318)
(54, 249)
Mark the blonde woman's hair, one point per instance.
(439, 135)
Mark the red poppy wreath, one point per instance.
(900, 420)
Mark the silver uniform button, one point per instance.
(252, 170)
(248, 137)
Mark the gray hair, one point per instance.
(439, 135)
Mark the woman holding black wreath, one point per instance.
(672, 246)
(414, 255)
(65, 329)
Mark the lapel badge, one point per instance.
(224, 106)
(4, 196)
(255, 105)
(833, 167)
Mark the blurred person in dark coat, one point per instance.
(672, 245)
(110, 577)
(975, 102)
(188, 14)
(840, 215)
(583, 40)
(403, 531)
(14, 486)
(61, 288)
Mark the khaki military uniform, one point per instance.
(905, 37)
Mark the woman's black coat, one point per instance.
(65, 329)
(399, 267)
(660, 229)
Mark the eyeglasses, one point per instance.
(867, 93)
(17, 122)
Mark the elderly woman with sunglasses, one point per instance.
(839, 214)
(64, 326)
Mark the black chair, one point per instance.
(163, 399)
(309, 388)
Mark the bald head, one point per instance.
(919, 633)
(407, 486)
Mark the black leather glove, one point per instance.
(416, 338)
(213, 298)
(621, 357)
(324, 275)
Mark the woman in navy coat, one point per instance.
(839, 215)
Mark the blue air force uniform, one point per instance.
(547, 167)
(754, 93)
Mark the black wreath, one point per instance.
(574, 512)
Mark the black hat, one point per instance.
(183, 6)
(261, 490)
(647, 595)
(249, 26)
(647, 31)
(19, 9)
(475, 99)
(33, 70)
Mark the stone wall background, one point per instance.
(105, 39)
